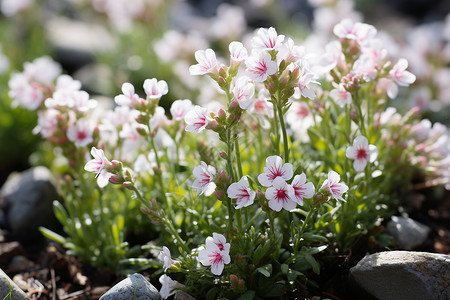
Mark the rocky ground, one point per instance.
(43, 270)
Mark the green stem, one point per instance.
(175, 234)
(238, 157)
(285, 137)
(302, 230)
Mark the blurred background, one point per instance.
(104, 43)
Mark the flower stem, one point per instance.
(285, 137)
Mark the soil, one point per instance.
(44, 271)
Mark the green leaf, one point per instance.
(52, 235)
(313, 262)
(314, 237)
(265, 270)
(60, 212)
(261, 251)
(284, 269)
(293, 274)
(115, 234)
(211, 294)
(248, 295)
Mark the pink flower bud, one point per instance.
(116, 179)
(223, 154)
(221, 113)
(128, 185)
(219, 195)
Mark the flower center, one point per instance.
(361, 154)
(281, 195)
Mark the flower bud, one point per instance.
(219, 195)
(142, 119)
(128, 185)
(223, 154)
(223, 71)
(157, 170)
(116, 179)
(142, 130)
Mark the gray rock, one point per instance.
(407, 232)
(404, 275)
(134, 287)
(27, 200)
(7, 285)
(182, 295)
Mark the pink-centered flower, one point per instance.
(302, 189)
(237, 52)
(332, 185)
(215, 254)
(400, 75)
(361, 152)
(129, 97)
(197, 119)
(291, 52)
(204, 181)
(25, 94)
(267, 39)
(155, 89)
(180, 108)
(207, 63)
(360, 32)
(165, 257)
(241, 192)
(99, 165)
(260, 66)
(275, 168)
(168, 285)
(243, 92)
(47, 122)
(80, 133)
(220, 241)
(281, 195)
(341, 96)
(304, 84)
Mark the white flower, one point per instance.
(360, 32)
(237, 52)
(361, 152)
(99, 166)
(23, 93)
(165, 257)
(275, 168)
(180, 108)
(155, 89)
(302, 189)
(333, 186)
(241, 192)
(215, 254)
(196, 119)
(129, 97)
(204, 181)
(168, 285)
(304, 82)
(341, 96)
(400, 75)
(243, 92)
(260, 66)
(281, 195)
(291, 52)
(81, 133)
(11, 7)
(207, 63)
(42, 69)
(267, 39)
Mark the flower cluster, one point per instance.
(296, 143)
